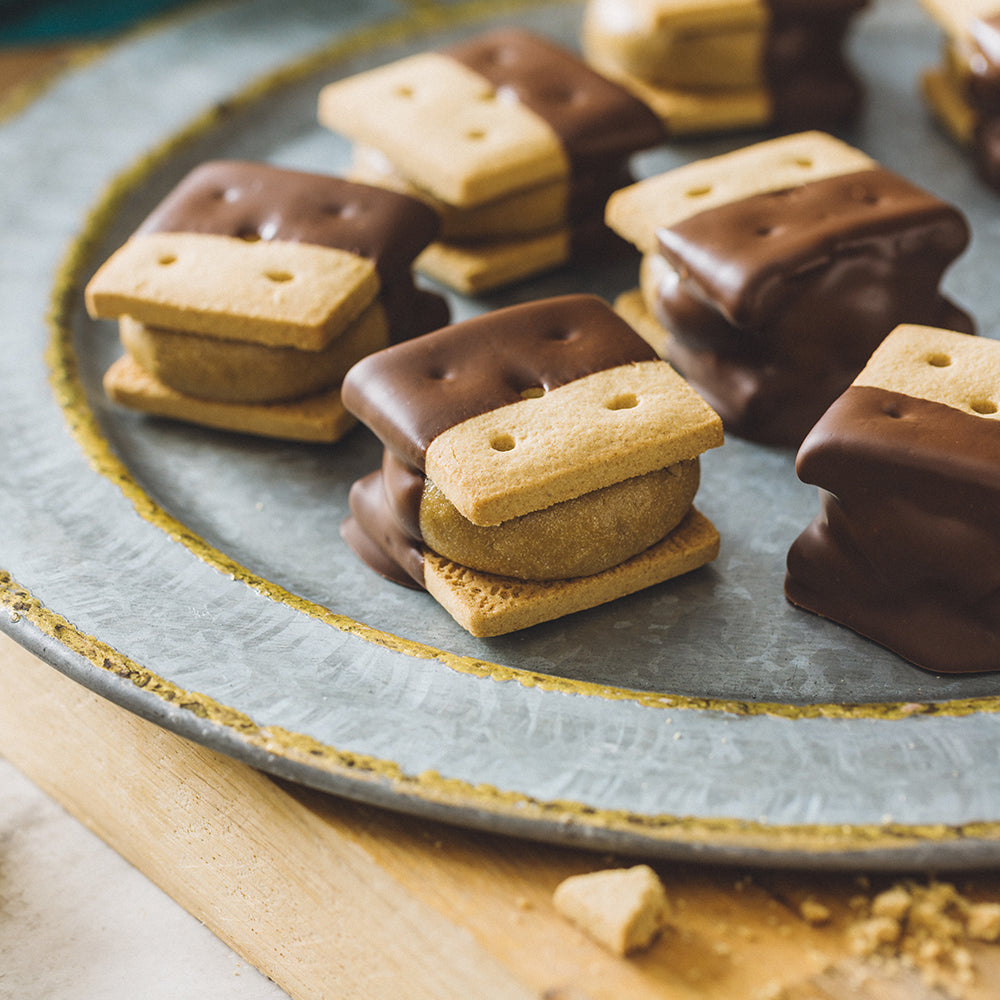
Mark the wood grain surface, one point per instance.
(335, 899)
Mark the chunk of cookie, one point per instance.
(713, 65)
(252, 285)
(514, 141)
(964, 91)
(775, 271)
(906, 548)
(623, 909)
(515, 437)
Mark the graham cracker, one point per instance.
(269, 291)
(317, 418)
(487, 605)
(586, 434)
(638, 211)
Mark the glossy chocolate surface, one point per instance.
(748, 256)
(776, 302)
(906, 549)
(257, 201)
(377, 539)
(599, 124)
(810, 81)
(410, 393)
(596, 120)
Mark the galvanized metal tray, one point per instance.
(198, 579)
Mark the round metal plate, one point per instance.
(198, 579)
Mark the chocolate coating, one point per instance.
(410, 393)
(599, 123)
(906, 549)
(596, 120)
(983, 94)
(807, 75)
(255, 201)
(984, 65)
(377, 539)
(777, 301)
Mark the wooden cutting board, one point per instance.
(335, 899)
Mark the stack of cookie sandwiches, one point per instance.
(906, 548)
(964, 91)
(707, 65)
(538, 460)
(770, 274)
(245, 296)
(515, 142)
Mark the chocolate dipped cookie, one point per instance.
(713, 65)
(906, 548)
(538, 460)
(248, 292)
(770, 274)
(963, 92)
(514, 141)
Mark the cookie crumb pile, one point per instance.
(930, 928)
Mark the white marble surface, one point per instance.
(77, 922)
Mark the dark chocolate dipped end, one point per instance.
(410, 393)
(776, 302)
(374, 535)
(807, 75)
(906, 549)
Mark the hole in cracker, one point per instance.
(404, 90)
(278, 277)
(502, 442)
(624, 401)
(698, 192)
(559, 95)
(805, 162)
(475, 134)
(340, 211)
(984, 407)
(938, 359)
(864, 195)
(165, 259)
(532, 392)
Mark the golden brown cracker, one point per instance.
(474, 268)
(946, 99)
(521, 213)
(680, 44)
(269, 292)
(487, 605)
(445, 128)
(579, 437)
(638, 211)
(956, 369)
(317, 418)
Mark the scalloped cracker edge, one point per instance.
(487, 605)
(319, 418)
